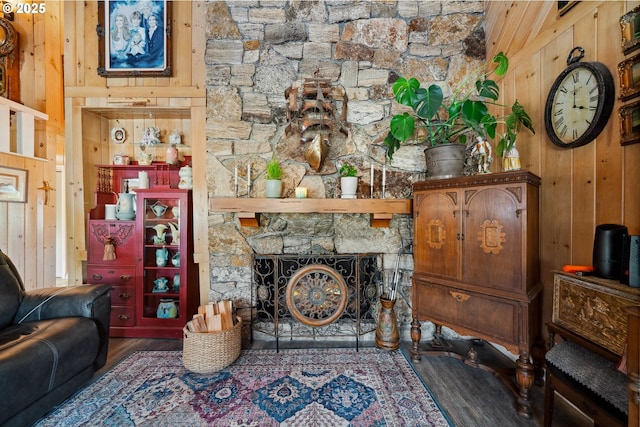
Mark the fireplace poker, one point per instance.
(396, 277)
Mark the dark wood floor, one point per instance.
(469, 396)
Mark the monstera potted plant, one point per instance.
(273, 186)
(446, 124)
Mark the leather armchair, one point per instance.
(52, 341)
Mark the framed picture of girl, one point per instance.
(134, 38)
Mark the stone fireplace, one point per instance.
(316, 296)
(257, 50)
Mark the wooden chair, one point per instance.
(586, 375)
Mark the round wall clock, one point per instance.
(579, 103)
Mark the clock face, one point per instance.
(579, 104)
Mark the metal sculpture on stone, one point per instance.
(312, 111)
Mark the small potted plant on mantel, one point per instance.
(273, 186)
(348, 181)
(446, 124)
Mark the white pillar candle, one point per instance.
(301, 192)
(249, 173)
(372, 175)
(143, 179)
(235, 176)
(384, 176)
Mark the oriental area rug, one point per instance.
(307, 387)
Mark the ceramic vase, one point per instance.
(387, 336)
(171, 157)
(167, 309)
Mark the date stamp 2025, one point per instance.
(20, 8)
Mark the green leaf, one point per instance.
(500, 148)
(402, 126)
(489, 123)
(429, 101)
(405, 91)
(488, 89)
(522, 116)
(473, 112)
(503, 64)
(392, 145)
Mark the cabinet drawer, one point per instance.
(123, 295)
(114, 276)
(491, 317)
(123, 316)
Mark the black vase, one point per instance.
(608, 249)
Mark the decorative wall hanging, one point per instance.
(312, 111)
(9, 62)
(134, 38)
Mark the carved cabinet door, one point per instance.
(492, 250)
(438, 233)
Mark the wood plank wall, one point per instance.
(95, 104)
(27, 231)
(583, 187)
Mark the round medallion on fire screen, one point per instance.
(316, 295)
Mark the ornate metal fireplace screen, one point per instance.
(317, 295)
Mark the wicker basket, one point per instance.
(205, 353)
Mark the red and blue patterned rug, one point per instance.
(308, 387)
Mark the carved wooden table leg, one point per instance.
(524, 377)
(416, 334)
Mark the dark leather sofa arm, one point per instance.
(91, 301)
(68, 301)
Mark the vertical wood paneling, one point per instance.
(27, 230)
(556, 169)
(583, 171)
(609, 152)
(88, 138)
(581, 187)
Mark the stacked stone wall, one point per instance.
(258, 49)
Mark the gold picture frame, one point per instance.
(630, 27)
(629, 123)
(629, 73)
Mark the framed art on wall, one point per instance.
(134, 38)
(13, 185)
(629, 73)
(630, 27)
(630, 123)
